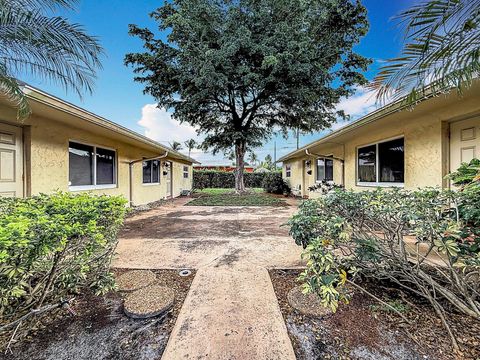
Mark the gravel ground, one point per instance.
(100, 330)
(363, 330)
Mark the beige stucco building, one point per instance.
(393, 146)
(63, 147)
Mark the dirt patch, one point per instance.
(363, 330)
(100, 330)
(163, 227)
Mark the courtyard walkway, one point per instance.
(231, 311)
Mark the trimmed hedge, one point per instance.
(220, 179)
(274, 183)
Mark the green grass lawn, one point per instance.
(227, 197)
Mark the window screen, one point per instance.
(391, 160)
(105, 166)
(80, 164)
(320, 169)
(367, 163)
(151, 171)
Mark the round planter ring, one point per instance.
(135, 279)
(148, 302)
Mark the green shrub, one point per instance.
(53, 246)
(274, 183)
(203, 179)
(348, 234)
(466, 173)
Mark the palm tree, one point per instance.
(34, 42)
(190, 145)
(252, 158)
(441, 51)
(176, 146)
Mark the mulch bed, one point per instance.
(100, 329)
(364, 329)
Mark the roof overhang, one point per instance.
(43, 103)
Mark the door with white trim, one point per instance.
(168, 169)
(11, 161)
(464, 142)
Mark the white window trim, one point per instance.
(159, 174)
(377, 174)
(316, 169)
(186, 172)
(94, 187)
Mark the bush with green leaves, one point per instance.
(203, 179)
(273, 183)
(54, 246)
(419, 240)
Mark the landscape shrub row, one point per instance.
(52, 247)
(220, 179)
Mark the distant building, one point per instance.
(226, 168)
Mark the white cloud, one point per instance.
(160, 126)
(359, 104)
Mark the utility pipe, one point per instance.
(130, 170)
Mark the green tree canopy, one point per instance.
(240, 70)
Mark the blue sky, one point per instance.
(120, 99)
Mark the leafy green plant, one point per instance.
(34, 42)
(466, 173)
(348, 234)
(273, 183)
(53, 246)
(221, 179)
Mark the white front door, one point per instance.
(168, 169)
(11, 161)
(464, 142)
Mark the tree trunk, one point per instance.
(240, 148)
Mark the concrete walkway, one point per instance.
(231, 311)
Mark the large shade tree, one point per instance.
(241, 70)
(36, 42)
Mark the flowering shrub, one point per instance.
(425, 241)
(53, 246)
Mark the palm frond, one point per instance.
(441, 51)
(10, 88)
(47, 47)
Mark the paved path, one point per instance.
(231, 311)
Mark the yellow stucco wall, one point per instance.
(47, 168)
(426, 134)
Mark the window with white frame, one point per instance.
(185, 172)
(151, 171)
(324, 169)
(288, 170)
(91, 166)
(381, 163)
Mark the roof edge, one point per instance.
(43, 97)
(375, 115)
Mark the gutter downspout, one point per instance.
(130, 173)
(333, 158)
